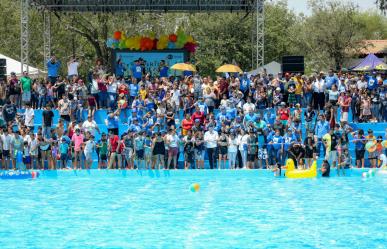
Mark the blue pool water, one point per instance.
(234, 209)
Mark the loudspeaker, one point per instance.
(3, 69)
(293, 64)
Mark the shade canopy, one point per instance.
(184, 67)
(229, 68)
(369, 63)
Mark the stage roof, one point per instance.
(146, 5)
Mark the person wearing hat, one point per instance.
(277, 97)
(372, 156)
(63, 150)
(297, 153)
(283, 113)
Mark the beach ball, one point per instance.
(370, 146)
(371, 172)
(365, 174)
(195, 187)
(34, 174)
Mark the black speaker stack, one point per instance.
(293, 64)
(3, 69)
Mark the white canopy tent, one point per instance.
(15, 66)
(271, 68)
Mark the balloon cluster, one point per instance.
(180, 40)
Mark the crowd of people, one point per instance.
(234, 120)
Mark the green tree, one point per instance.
(332, 31)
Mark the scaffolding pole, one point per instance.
(260, 46)
(24, 41)
(46, 37)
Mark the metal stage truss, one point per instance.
(109, 6)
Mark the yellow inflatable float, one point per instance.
(292, 172)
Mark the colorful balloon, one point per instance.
(172, 37)
(117, 35)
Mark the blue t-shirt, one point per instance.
(288, 139)
(120, 70)
(250, 118)
(134, 128)
(359, 145)
(137, 71)
(330, 80)
(372, 83)
(133, 89)
(277, 142)
(164, 71)
(112, 122)
(64, 148)
(139, 141)
(53, 68)
(322, 128)
(244, 85)
(232, 112)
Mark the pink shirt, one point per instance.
(78, 140)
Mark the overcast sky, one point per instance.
(302, 6)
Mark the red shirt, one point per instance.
(123, 89)
(198, 115)
(114, 143)
(284, 114)
(187, 124)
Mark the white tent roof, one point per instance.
(15, 66)
(271, 68)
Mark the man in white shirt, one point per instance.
(362, 83)
(72, 68)
(90, 126)
(319, 92)
(211, 139)
(29, 115)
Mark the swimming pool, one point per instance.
(155, 209)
